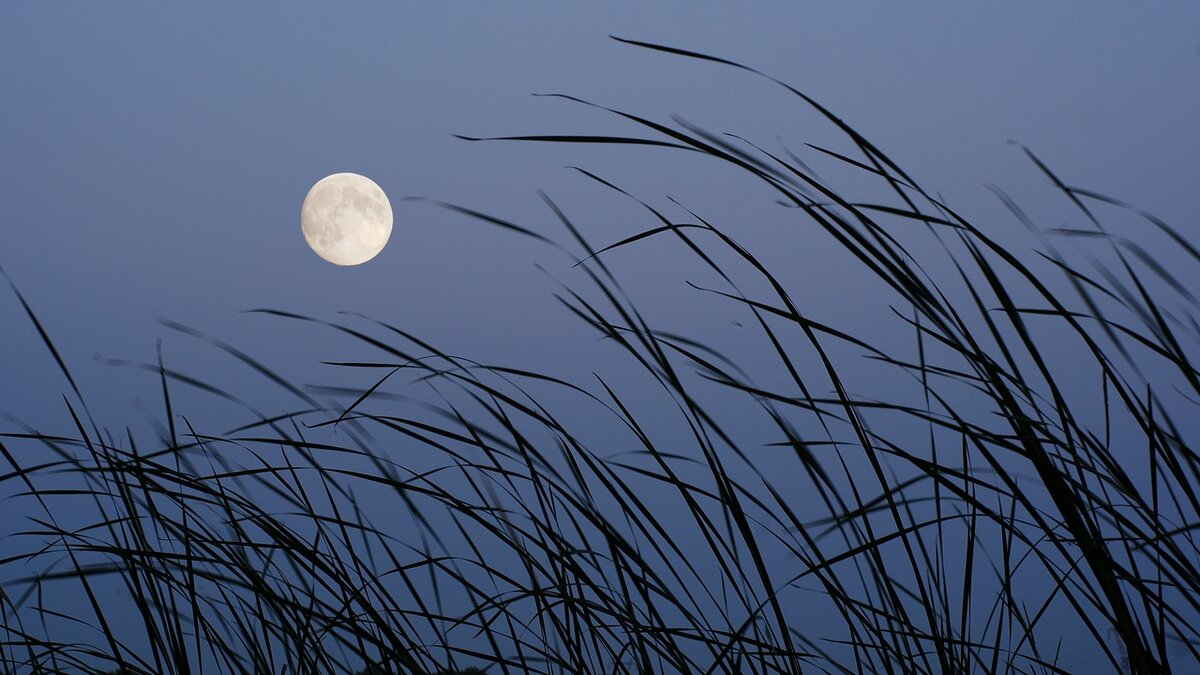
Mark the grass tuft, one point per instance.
(1009, 486)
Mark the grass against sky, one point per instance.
(761, 393)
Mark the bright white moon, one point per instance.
(346, 219)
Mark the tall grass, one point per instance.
(991, 516)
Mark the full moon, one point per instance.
(346, 219)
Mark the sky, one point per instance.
(154, 158)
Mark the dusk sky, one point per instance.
(154, 160)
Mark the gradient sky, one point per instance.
(154, 159)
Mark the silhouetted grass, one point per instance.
(983, 519)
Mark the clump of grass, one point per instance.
(480, 524)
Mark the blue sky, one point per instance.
(154, 160)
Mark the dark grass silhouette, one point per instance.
(1021, 519)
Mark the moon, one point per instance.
(346, 219)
